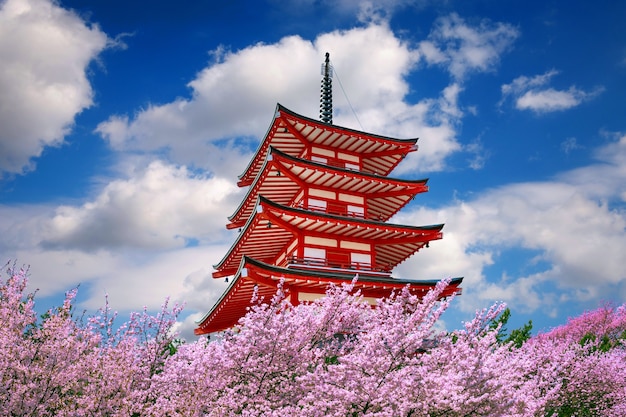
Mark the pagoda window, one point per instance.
(314, 255)
(318, 253)
(361, 260)
(356, 211)
(315, 204)
(319, 159)
(315, 150)
(355, 205)
(335, 257)
(335, 159)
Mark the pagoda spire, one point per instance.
(326, 98)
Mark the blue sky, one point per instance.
(124, 125)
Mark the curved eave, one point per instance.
(257, 238)
(253, 274)
(281, 177)
(232, 305)
(273, 226)
(292, 133)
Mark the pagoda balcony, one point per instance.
(320, 264)
(345, 213)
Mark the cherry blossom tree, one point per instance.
(66, 366)
(591, 374)
(335, 356)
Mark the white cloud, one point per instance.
(605, 180)
(182, 275)
(531, 93)
(524, 83)
(437, 121)
(44, 51)
(463, 48)
(569, 145)
(288, 72)
(162, 206)
(479, 155)
(235, 96)
(550, 100)
(184, 329)
(141, 239)
(130, 278)
(379, 10)
(54, 271)
(575, 238)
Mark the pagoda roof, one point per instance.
(254, 275)
(293, 133)
(273, 226)
(283, 176)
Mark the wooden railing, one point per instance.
(348, 213)
(325, 264)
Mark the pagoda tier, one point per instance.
(288, 236)
(311, 139)
(299, 285)
(288, 180)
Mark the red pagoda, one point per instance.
(316, 211)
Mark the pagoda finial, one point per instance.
(326, 98)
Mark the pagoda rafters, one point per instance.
(300, 136)
(284, 177)
(273, 227)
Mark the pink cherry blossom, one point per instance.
(336, 356)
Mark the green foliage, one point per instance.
(603, 345)
(331, 360)
(517, 337)
(172, 347)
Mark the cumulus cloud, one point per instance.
(164, 206)
(44, 51)
(234, 96)
(463, 48)
(570, 230)
(286, 72)
(231, 97)
(532, 93)
(181, 275)
(140, 240)
(130, 278)
(550, 100)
